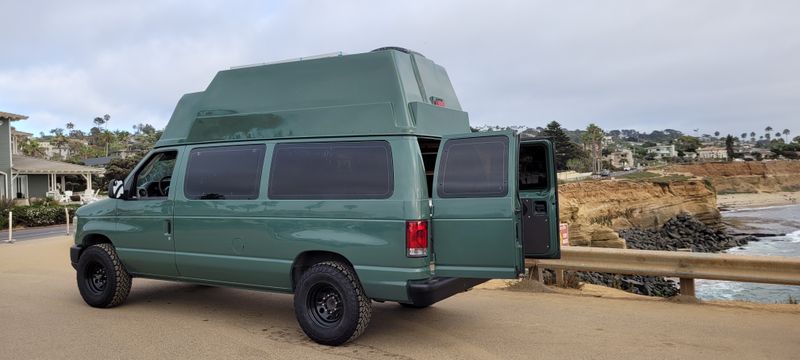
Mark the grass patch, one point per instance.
(654, 178)
(639, 175)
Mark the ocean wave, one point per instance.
(794, 236)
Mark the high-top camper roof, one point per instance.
(389, 91)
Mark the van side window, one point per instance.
(474, 167)
(332, 170)
(224, 172)
(152, 181)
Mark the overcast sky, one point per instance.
(731, 66)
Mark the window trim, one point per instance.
(256, 196)
(389, 165)
(442, 163)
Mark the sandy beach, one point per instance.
(754, 200)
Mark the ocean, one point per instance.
(775, 219)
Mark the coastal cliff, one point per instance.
(597, 210)
(746, 177)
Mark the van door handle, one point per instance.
(167, 227)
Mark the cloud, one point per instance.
(717, 65)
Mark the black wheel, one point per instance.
(102, 279)
(330, 304)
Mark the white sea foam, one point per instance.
(794, 236)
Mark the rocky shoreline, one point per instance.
(683, 232)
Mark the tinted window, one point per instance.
(474, 167)
(343, 170)
(228, 172)
(533, 167)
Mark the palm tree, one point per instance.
(778, 136)
(786, 132)
(768, 131)
(593, 137)
(70, 126)
(743, 136)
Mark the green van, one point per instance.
(343, 180)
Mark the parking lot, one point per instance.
(42, 316)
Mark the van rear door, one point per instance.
(538, 193)
(475, 207)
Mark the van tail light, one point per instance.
(416, 238)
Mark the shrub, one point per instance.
(37, 215)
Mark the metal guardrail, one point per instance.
(685, 265)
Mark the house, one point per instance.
(26, 177)
(620, 159)
(712, 152)
(662, 151)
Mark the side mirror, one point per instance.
(116, 190)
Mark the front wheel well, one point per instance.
(305, 260)
(94, 239)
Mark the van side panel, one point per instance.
(253, 243)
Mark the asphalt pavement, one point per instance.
(35, 233)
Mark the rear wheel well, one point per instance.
(305, 260)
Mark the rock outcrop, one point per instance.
(597, 210)
(746, 177)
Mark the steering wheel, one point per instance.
(164, 189)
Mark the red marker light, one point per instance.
(437, 101)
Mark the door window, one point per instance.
(474, 167)
(224, 172)
(533, 167)
(153, 179)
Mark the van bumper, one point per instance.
(74, 254)
(430, 291)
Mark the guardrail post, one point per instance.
(560, 277)
(687, 287)
(539, 273)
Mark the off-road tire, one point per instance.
(99, 262)
(336, 283)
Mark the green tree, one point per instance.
(118, 169)
(716, 133)
(31, 147)
(729, 146)
(593, 140)
(565, 148)
(786, 133)
(743, 136)
(796, 139)
(768, 132)
(687, 143)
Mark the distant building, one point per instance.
(662, 151)
(620, 159)
(690, 155)
(23, 177)
(712, 153)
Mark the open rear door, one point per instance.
(538, 193)
(475, 207)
